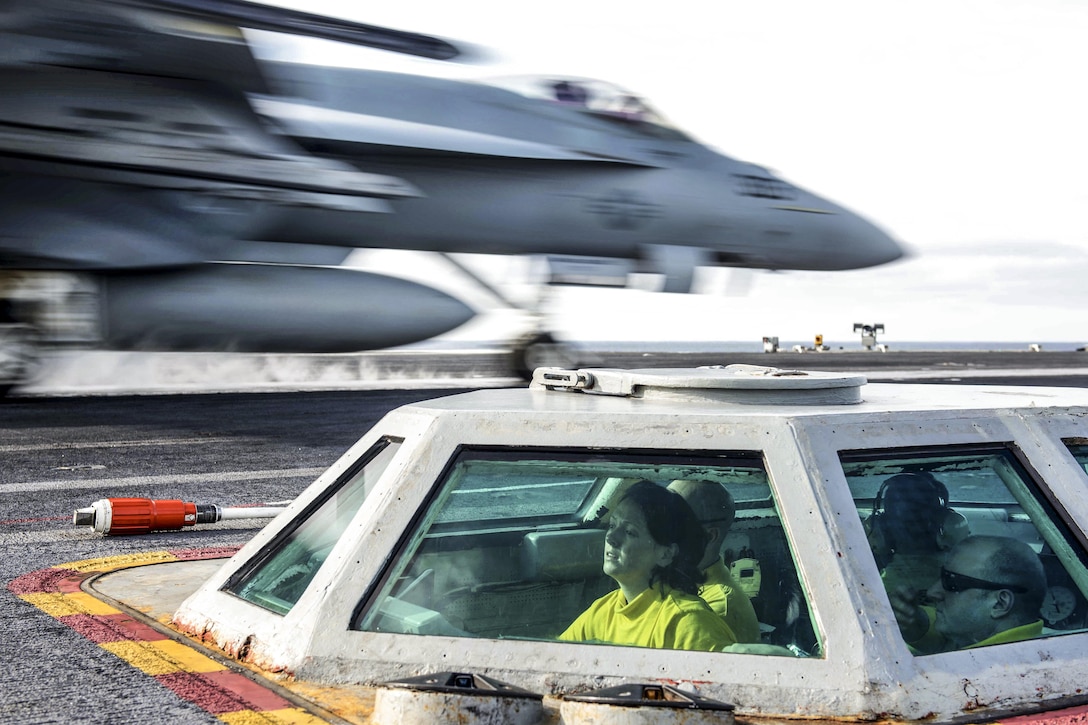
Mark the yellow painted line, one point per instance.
(124, 561)
(57, 604)
(289, 716)
(186, 657)
(159, 657)
(162, 657)
(141, 657)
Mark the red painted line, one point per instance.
(69, 584)
(197, 690)
(111, 628)
(224, 691)
(259, 698)
(43, 581)
(219, 692)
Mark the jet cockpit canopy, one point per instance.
(602, 98)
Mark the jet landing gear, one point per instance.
(540, 350)
(534, 349)
(19, 358)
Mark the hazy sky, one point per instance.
(959, 126)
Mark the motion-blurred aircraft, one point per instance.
(208, 196)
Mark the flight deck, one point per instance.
(95, 372)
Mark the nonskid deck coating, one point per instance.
(220, 688)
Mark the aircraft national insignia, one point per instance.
(623, 209)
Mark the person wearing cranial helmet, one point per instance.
(911, 529)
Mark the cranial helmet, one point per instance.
(913, 507)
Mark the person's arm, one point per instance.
(916, 623)
(576, 632)
(913, 621)
(702, 631)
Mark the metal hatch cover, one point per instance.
(742, 384)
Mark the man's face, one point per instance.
(967, 616)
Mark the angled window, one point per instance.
(971, 550)
(513, 545)
(276, 579)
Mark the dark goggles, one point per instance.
(953, 582)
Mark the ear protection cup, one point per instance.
(874, 533)
(953, 530)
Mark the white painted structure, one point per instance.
(818, 437)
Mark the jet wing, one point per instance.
(282, 20)
(195, 39)
(139, 104)
(112, 83)
(158, 131)
(146, 86)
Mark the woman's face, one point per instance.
(630, 552)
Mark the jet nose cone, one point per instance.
(866, 245)
(836, 238)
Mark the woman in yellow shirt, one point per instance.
(652, 550)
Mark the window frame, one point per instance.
(408, 540)
(283, 538)
(1025, 486)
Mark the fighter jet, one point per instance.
(207, 196)
(514, 165)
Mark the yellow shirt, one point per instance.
(932, 643)
(671, 619)
(722, 593)
(918, 572)
(1030, 630)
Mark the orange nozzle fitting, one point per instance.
(128, 516)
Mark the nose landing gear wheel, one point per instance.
(19, 358)
(539, 351)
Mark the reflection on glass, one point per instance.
(513, 546)
(280, 574)
(970, 553)
(1080, 452)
